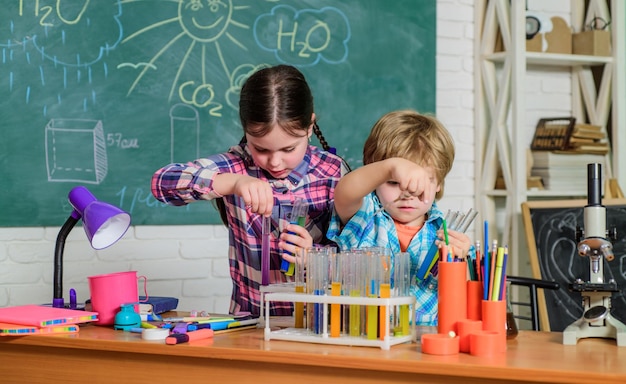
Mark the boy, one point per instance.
(390, 201)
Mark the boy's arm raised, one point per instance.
(354, 186)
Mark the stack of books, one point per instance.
(588, 138)
(564, 170)
(39, 319)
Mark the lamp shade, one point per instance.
(104, 223)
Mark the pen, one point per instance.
(243, 323)
(72, 298)
(220, 325)
(189, 336)
(187, 319)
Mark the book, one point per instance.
(587, 127)
(44, 316)
(159, 304)
(7, 329)
(594, 145)
(588, 135)
(549, 159)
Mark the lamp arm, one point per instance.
(71, 221)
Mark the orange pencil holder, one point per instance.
(440, 344)
(486, 343)
(494, 320)
(452, 290)
(474, 299)
(466, 328)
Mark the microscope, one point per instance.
(594, 242)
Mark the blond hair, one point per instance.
(410, 135)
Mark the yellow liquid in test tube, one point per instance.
(355, 315)
(299, 309)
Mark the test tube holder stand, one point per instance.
(305, 335)
(288, 287)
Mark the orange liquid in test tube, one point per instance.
(335, 311)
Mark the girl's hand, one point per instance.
(458, 241)
(256, 193)
(299, 238)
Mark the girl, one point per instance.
(263, 175)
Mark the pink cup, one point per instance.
(110, 291)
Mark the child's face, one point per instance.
(278, 152)
(403, 208)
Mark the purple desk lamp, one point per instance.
(104, 225)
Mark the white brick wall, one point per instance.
(190, 262)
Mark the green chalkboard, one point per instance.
(102, 93)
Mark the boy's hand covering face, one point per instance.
(415, 180)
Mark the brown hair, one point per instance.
(278, 95)
(412, 136)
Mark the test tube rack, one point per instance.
(305, 335)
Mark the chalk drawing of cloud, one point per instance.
(304, 37)
(79, 33)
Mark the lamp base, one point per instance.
(58, 302)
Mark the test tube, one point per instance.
(323, 277)
(372, 272)
(317, 283)
(384, 267)
(335, 309)
(297, 216)
(401, 288)
(353, 283)
(265, 251)
(300, 287)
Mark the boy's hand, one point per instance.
(413, 179)
(457, 240)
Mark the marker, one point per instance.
(220, 325)
(189, 336)
(243, 323)
(72, 298)
(188, 319)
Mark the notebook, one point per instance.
(7, 329)
(44, 316)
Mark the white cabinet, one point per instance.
(502, 131)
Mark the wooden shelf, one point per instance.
(501, 116)
(553, 59)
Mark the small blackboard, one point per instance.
(551, 235)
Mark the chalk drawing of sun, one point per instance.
(206, 24)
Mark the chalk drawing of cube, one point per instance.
(76, 151)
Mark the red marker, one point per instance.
(179, 338)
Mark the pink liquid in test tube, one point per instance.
(265, 251)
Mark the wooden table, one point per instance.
(102, 355)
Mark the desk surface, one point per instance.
(99, 354)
